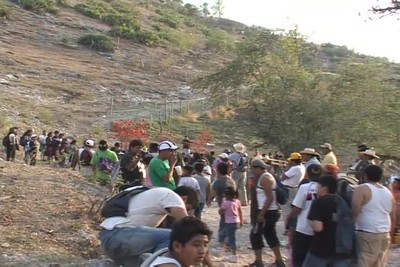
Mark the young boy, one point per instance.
(188, 245)
(323, 218)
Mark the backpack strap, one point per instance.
(154, 256)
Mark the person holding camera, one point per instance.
(162, 168)
(131, 166)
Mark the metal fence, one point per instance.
(161, 111)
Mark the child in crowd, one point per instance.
(231, 209)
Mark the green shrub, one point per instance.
(126, 20)
(40, 6)
(181, 39)
(98, 42)
(220, 40)
(5, 11)
(169, 22)
(147, 38)
(142, 37)
(93, 8)
(190, 22)
(45, 115)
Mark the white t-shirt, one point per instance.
(303, 199)
(295, 174)
(42, 139)
(163, 260)
(190, 182)
(146, 209)
(207, 172)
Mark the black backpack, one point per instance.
(22, 140)
(282, 192)
(6, 140)
(118, 205)
(243, 163)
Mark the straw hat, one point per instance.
(239, 147)
(309, 151)
(370, 152)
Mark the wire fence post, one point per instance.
(165, 110)
(111, 113)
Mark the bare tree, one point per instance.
(387, 8)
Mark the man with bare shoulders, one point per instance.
(373, 209)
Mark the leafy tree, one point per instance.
(218, 8)
(191, 10)
(293, 105)
(204, 9)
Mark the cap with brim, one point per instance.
(396, 177)
(295, 156)
(89, 143)
(258, 163)
(309, 151)
(223, 155)
(326, 145)
(167, 145)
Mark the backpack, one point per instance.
(86, 157)
(345, 188)
(345, 227)
(242, 166)
(6, 140)
(282, 192)
(106, 164)
(118, 205)
(22, 140)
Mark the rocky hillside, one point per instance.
(47, 78)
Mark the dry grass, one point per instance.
(46, 211)
(221, 113)
(188, 116)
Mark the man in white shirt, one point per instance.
(374, 213)
(291, 178)
(124, 239)
(301, 206)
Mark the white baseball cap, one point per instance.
(89, 143)
(167, 145)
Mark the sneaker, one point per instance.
(217, 251)
(232, 259)
(256, 264)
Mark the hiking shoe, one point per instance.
(232, 259)
(256, 264)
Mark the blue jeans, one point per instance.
(230, 233)
(313, 261)
(125, 245)
(222, 229)
(199, 210)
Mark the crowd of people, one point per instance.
(332, 217)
